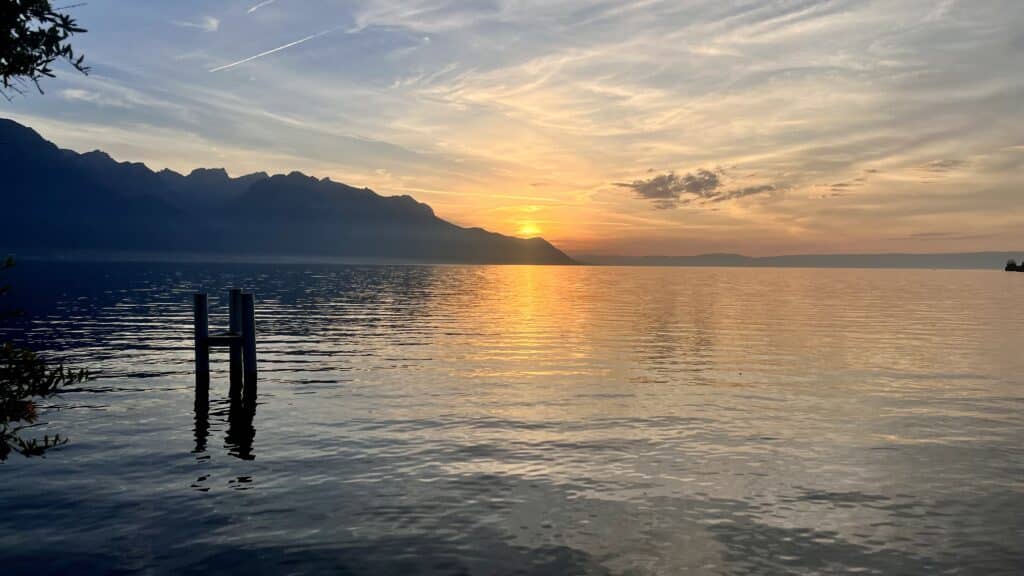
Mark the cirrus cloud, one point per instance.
(206, 24)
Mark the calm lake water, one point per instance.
(529, 420)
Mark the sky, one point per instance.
(607, 127)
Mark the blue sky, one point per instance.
(607, 127)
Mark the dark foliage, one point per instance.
(24, 376)
(34, 35)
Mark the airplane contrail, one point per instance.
(260, 5)
(273, 50)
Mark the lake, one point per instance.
(528, 420)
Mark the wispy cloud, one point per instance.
(80, 95)
(260, 5)
(274, 50)
(940, 166)
(743, 192)
(206, 23)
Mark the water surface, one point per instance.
(529, 420)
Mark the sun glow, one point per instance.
(528, 230)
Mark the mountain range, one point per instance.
(56, 202)
(59, 201)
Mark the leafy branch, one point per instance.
(34, 35)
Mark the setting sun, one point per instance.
(528, 230)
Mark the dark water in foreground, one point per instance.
(521, 420)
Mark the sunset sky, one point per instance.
(608, 127)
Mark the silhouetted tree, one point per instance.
(1011, 265)
(33, 35)
(24, 376)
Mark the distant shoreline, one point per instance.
(942, 261)
(953, 261)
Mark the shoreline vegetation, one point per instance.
(1013, 266)
(36, 35)
(25, 377)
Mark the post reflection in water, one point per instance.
(201, 427)
(565, 420)
(241, 432)
(237, 414)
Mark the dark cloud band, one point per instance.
(671, 190)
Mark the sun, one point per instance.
(528, 229)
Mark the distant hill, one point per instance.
(967, 260)
(55, 201)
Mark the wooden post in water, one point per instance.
(235, 327)
(201, 315)
(240, 340)
(249, 341)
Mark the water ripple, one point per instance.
(521, 420)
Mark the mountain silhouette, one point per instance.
(58, 200)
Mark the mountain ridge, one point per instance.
(70, 201)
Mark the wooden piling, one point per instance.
(235, 327)
(249, 340)
(201, 315)
(240, 339)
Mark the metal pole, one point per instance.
(249, 340)
(235, 327)
(202, 333)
